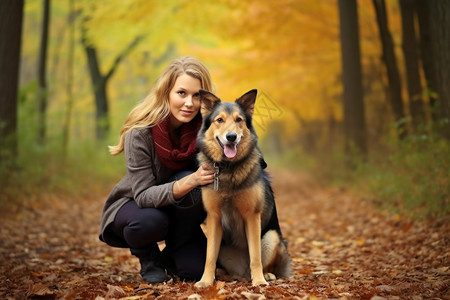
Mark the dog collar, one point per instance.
(222, 165)
(219, 166)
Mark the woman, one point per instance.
(159, 197)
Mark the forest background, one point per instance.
(356, 93)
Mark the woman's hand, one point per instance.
(204, 175)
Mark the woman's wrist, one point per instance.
(182, 186)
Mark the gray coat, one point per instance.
(146, 182)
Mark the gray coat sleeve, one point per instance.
(139, 163)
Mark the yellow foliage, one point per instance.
(286, 49)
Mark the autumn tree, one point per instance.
(11, 14)
(440, 37)
(100, 81)
(411, 56)
(395, 87)
(42, 93)
(423, 16)
(70, 70)
(354, 120)
(101, 23)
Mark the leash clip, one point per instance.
(216, 177)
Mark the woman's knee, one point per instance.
(148, 225)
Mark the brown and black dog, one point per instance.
(241, 225)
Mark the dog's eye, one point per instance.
(219, 120)
(239, 119)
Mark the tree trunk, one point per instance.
(354, 119)
(423, 15)
(440, 37)
(11, 14)
(42, 92)
(69, 86)
(99, 85)
(395, 90)
(411, 56)
(100, 81)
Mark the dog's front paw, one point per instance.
(259, 282)
(203, 283)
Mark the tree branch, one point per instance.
(124, 53)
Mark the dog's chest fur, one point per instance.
(232, 222)
(233, 225)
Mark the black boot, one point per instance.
(152, 269)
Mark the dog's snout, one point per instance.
(231, 136)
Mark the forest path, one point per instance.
(340, 245)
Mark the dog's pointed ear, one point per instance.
(247, 101)
(207, 100)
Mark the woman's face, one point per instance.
(184, 100)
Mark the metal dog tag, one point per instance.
(216, 177)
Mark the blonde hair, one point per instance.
(155, 107)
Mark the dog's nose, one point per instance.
(231, 136)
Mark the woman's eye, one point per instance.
(181, 93)
(197, 95)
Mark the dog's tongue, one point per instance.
(230, 150)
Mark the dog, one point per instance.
(242, 229)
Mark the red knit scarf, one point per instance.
(176, 153)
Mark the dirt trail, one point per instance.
(340, 245)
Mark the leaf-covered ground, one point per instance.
(340, 245)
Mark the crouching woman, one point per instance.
(159, 197)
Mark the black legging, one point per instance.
(178, 225)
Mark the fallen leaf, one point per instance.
(40, 290)
(300, 240)
(253, 296)
(115, 292)
(108, 259)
